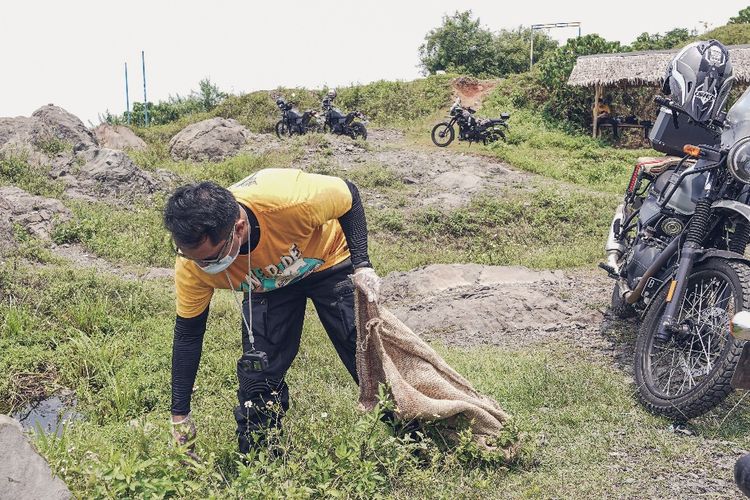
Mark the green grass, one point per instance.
(16, 169)
(133, 235)
(541, 228)
(537, 146)
(110, 341)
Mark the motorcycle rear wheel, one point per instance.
(691, 373)
(358, 130)
(282, 130)
(442, 134)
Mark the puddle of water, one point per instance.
(49, 415)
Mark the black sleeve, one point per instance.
(354, 225)
(186, 354)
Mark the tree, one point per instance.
(742, 17)
(512, 49)
(571, 104)
(208, 94)
(556, 67)
(669, 40)
(460, 45)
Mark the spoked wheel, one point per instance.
(358, 130)
(442, 134)
(690, 374)
(282, 130)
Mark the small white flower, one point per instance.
(248, 404)
(324, 415)
(274, 393)
(269, 403)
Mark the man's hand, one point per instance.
(183, 433)
(368, 282)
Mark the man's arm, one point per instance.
(354, 225)
(186, 354)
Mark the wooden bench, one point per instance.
(646, 129)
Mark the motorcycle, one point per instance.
(292, 122)
(338, 123)
(469, 128)
(676, 252)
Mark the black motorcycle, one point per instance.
(676, 251)
(343, 124)
(469, 128)
(293, 122)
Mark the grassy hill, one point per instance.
(108, 337)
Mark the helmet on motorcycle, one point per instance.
(280, 101)
(699, 79)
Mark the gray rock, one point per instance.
(209, 140)
(65, 127)
(23, 472)
(45, 124)
(104, 172)
(118, 137)
(35, 214)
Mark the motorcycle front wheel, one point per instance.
(358, 130)
(442, 134)
(691, 373)
(281, 129)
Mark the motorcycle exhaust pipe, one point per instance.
(614, 247)
(664, 256)
(740, 325)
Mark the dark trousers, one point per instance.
(277, 327)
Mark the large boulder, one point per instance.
(209, 140)
(45, 125)
(23, 472)
(36, 214)
(118, 137)
(97, 174)
(65, 127)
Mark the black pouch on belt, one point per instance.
(252, 362)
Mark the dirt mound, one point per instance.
(118, 137)
(209, 140)
(101, 173)
(472, 91)
(35, 214)
(471, 304)
(262, 143)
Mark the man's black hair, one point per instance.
(198, 211)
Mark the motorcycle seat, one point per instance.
(658, 164)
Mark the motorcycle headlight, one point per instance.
(738, 160)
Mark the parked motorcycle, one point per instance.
(292, 122)
(469, 128)
(676, 252)
(343, 124)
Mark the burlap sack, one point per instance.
(422, 385)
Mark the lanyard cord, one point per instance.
(248, 321)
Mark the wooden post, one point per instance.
(597, 96)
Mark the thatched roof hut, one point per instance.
(641, 68)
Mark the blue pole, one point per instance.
(127, 96)
(145, 99)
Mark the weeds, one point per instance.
(16, 169)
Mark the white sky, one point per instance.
(72, 53)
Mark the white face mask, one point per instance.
(222, 264)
